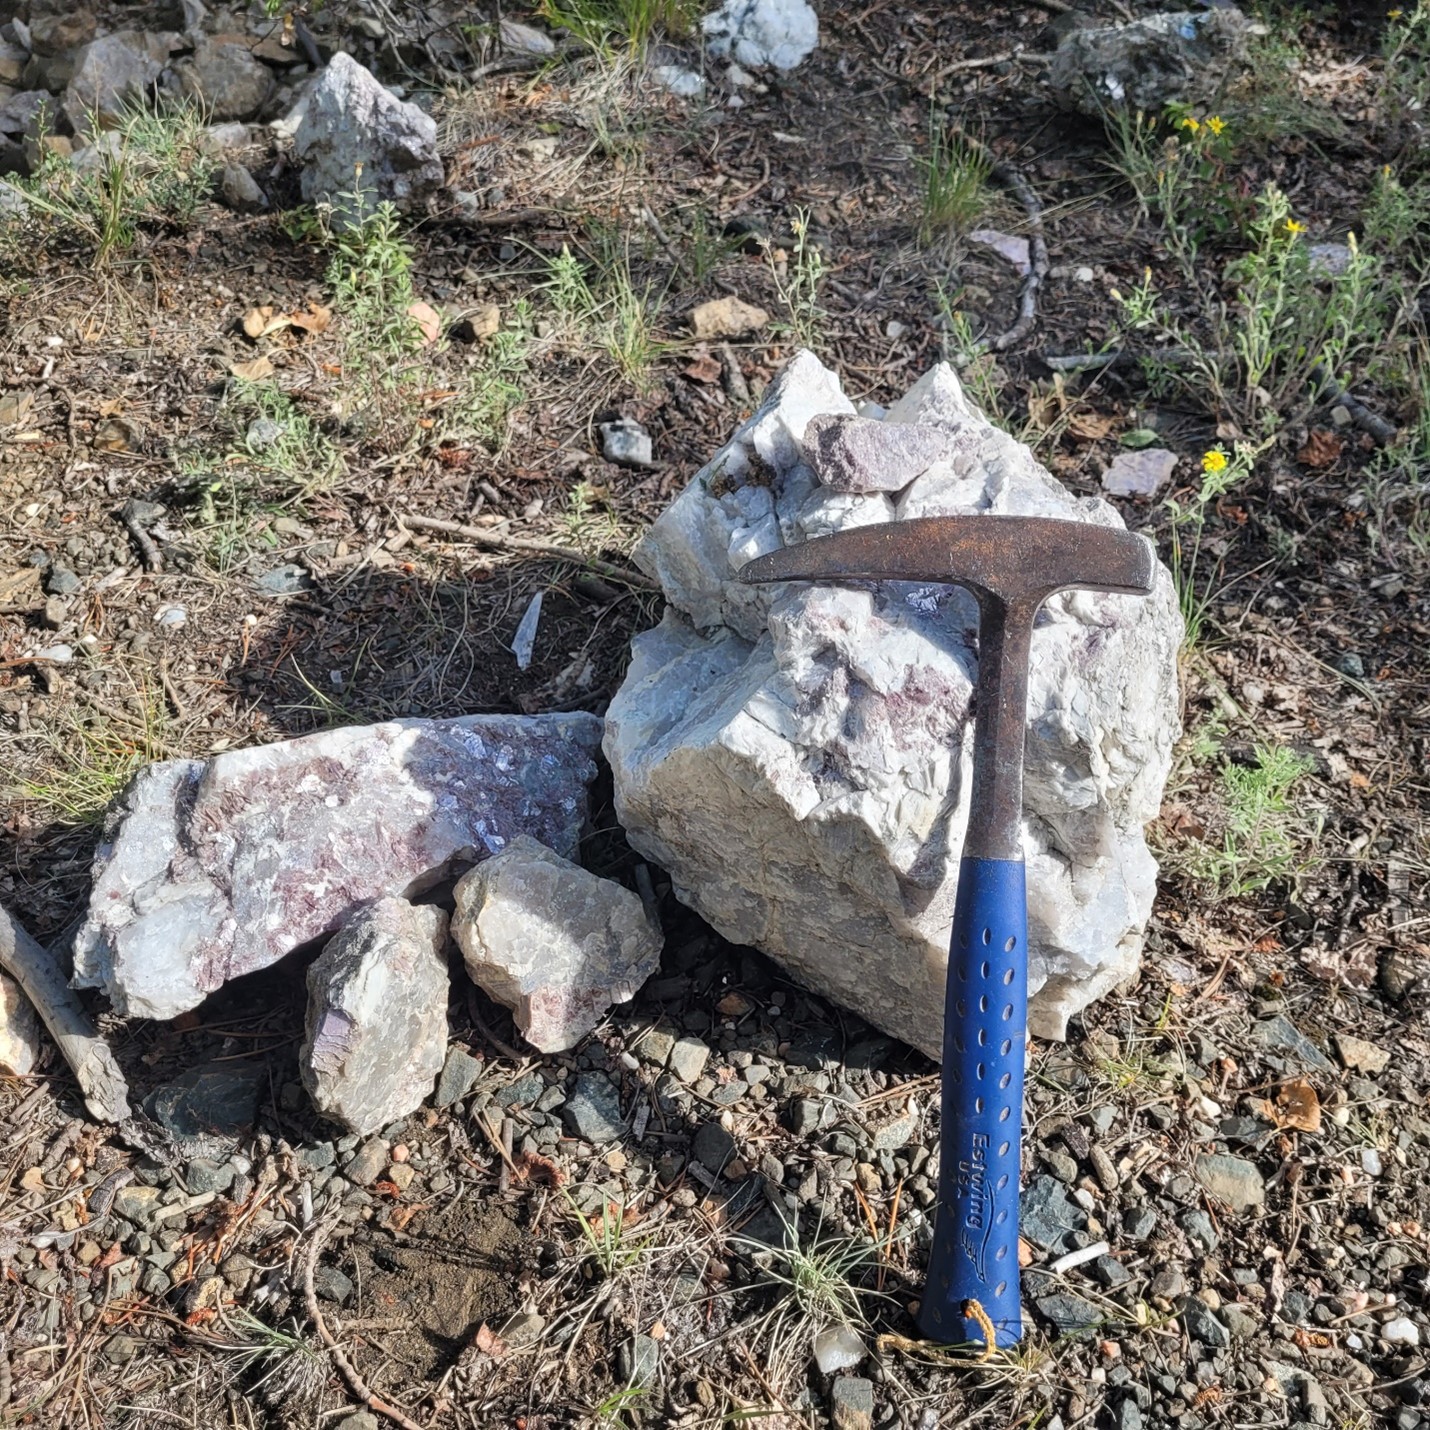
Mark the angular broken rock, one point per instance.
(376, 1033)
(555, 944)
(225, 78)
(19, 1030)
(360, 145)
(111, 73)
(858, 454)
(728, 317)
(1182, 56)
(212, 870)
(798, 758)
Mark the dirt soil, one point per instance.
(479, 1265)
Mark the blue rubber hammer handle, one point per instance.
(985, 1027)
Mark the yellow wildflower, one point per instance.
(1216, 123)
(1192, 124)
(1395, 14)
(1214, 461)
(1293, 227)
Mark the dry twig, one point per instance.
(498, 542)
(356, 1383)
(106, 1094)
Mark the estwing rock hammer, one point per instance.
(1012, 564)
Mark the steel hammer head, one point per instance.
(1017, 560)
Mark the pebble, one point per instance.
(804, 1115)
(656, 1045)
(1202, 1324)
(1198, 1227)
(1370, 1162)
(1401, 1331)
(593, 1111)
(61, 581)
(1232, 1180)
(852, 1403)
(203, 1174)
(626, 443)
(332, 1285)
(1138, 1223)
(687, 1058)
(1060, 1164)
(364, 1166)
(1068, 1312)
(712, 1147)
(639, 1360)
(838, 1348)
(459, 1074)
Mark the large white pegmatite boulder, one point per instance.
(799, 757)
(212, 870)
(376, 1030)
(760, 33)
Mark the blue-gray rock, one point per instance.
(1247, 1131)
(1048, 1218)
(203, 1174)
(459, 1072)
(208, 1109)
(1202, 1324)
(712, 1147)
(1110, 1272)
(332, 1284)
(1068, 1312)
(1198, 1227)
(524, 1092)
(1139, 1222)
(639, 1360)
(1282, 1035)
(593, 1111)
(61, 581)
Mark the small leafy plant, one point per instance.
(798, 277)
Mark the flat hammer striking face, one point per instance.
(1012, 564)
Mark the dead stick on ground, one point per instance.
(106, 1094)
(496, 542)
(356, 1383)
(1013, 180)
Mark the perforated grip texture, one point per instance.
(975, 1250)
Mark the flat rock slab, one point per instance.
(858, 454)
(212, 870)
(555, 944)
(1232, 1180)
(377, 1015)
(209, 1109)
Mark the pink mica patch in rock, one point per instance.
(210, 871)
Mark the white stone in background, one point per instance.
(798, 758)
(552, 942)
(211, 870)
(681, 82)
(376, 1033)
(350, 118)
(760, 33)
(19, 1029)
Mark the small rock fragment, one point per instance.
(858, 454)
(852, 1403)
(1010, 246)
(365, 1165)
(1401, 1331)
(687, 1058)
(240, 190)
(593, 1111)
(838, 1348)
(207, 1109)
(555, 944)
(1282, 1035)
(525, 38)
(1361, 1056)
(19, 1029)
(626, 443)
(728, 317)
(1232, 1180)
(459, 1072)
(1203, 1325)
(376, 1028)
(1069, 1312)
(712, 1147)
(1139, 474)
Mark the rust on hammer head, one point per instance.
(1014, 558)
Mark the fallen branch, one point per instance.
(106, 1094)
(497, 542)
(1331, 393)
(356, 1383)
(1013, 180)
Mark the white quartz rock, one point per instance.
(552, 942)
(798, 758)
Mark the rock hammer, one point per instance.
(1011, 564)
